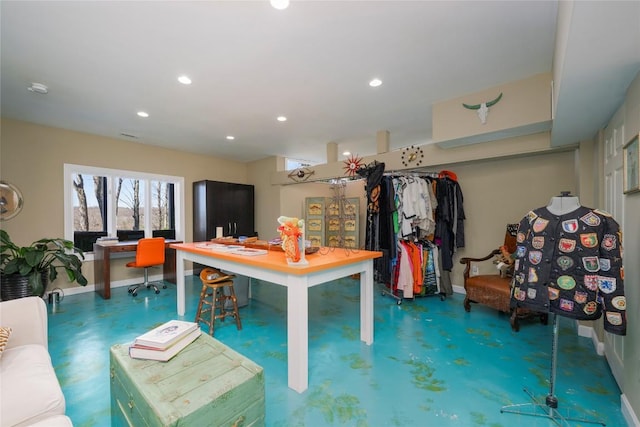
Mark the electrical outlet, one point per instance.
(474, 270)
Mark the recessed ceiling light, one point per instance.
(282, 119)
(143, 114)
(375, 82)
(231, 137)
(279, 4)
(346, 153)
(185, 80)
(38, 88)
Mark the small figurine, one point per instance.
(290, 232)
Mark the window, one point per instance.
(127, 204)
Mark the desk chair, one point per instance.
(214, 297)
(149, 253)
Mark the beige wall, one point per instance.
(32, 158)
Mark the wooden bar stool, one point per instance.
(213, 298)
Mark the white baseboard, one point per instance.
(589, 332)
(115, 284)
(627, 411)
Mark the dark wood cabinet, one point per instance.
(222, 204)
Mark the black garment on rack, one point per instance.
(450, 218)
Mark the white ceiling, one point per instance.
(104, 61)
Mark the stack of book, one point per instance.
(165, 341)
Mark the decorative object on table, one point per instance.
(10, 201)
(292, 233)
(412, 156)
(483, 108)
(631, 165)
(163, 336)
(163, 355)
(352, 164)
(27, 270)
(300, 174)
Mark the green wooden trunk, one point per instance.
(206, 384)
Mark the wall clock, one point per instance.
(412, 155)
(10, 201)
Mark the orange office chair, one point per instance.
(150, 253)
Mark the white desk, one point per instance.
(324, 266)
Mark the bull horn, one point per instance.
(489, 104)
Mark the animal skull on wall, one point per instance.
(483, 108)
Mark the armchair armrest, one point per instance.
(468, 261)
(27, 318)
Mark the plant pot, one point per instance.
(14, 286)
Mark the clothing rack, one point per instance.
(432, 282)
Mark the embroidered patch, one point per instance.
(531, 216)
(591, 219)
(566, 282)
(521, 251)
(591, 282)
(607, 284)
(614, 318)
(533, 275)
(580, 297)
(519, 294)
(565, 262)
(537, 242)
(609, 242)
(520, 278)
(540, 224)
(520, 237)
(619, 302)
(590, 308)
(554, 294)
(591, 263)
(567, 245)
(589, 240)
(570, 225)
(535, 257)
(531, 293)
(566, 305)
(605, 264)
(517, 265)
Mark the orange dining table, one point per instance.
(321, 267)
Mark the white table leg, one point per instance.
(366, 303)
(180, 282)
(298, 332)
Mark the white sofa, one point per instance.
(30, 394)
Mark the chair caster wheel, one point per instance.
(135, 294)
(129, 290)
(164, 286)
(157, 291)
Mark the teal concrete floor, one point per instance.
(431, 364)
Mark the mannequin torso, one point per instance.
(563, 205)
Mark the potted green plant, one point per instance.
(33, 267)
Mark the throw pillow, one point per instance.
(5, 331)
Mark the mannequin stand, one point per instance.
(550, 407)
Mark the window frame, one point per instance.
(111, 174)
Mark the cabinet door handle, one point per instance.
(235, 228)
(229, 230)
